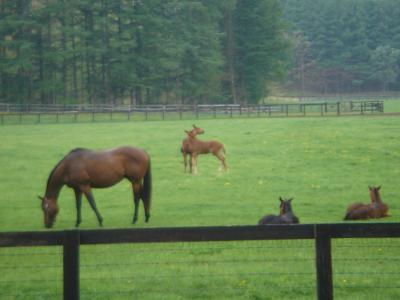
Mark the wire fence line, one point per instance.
(250, 259)
(36, 113)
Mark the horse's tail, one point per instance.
(146, 192)
(223, 149)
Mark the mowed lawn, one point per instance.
(323, 163)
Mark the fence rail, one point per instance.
(37, 113)
(321, 233)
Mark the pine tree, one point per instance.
(259, 47)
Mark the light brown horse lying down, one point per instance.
(375, 209)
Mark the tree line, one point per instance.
(140, 51)
(187, 51)
(344, 45)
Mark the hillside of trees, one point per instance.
(186, 51)
(142, 52)
(344, 46)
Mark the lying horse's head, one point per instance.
(50, 211)
(286, 205)
(374, 194)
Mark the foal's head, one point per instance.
(50, 211)
(197, 130)
(374, 193)
(286, 205)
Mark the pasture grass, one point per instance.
(324, 163)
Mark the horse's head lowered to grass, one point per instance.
(50, 211)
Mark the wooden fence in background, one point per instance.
(321, 233)
(18, 114)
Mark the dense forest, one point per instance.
(342, 46)
(186, 51)
(152, 51)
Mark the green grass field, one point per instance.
(324, 163)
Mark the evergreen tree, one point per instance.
(259, 47)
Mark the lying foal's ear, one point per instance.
(280, 199)
(290, 200)
(379, 187)
(41, 198)
(194, 126)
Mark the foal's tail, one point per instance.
(146, 192)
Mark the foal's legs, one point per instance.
(193, 163)
(184, 160)
(78, 197)
(88, 193)
(221, 158)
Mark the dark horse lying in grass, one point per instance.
(83, 169)
(286, 215)
(375, 209)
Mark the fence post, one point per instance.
(71, 265)
(323, 264)
(338, 108)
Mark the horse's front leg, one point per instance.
(184, 154)
(194, 163)
(136, 198)
(88, 193)
(78, 198)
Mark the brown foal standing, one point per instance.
(185, 149)
(195, 147)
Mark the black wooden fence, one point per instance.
(321, 233)
(14, 113)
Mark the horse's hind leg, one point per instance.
(78, 197)
(136, 198)
(88, 193)
(221, 158)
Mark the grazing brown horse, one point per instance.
(185, 149)
(286, 215)
(195, 147)
(83, 169)
(376, 209)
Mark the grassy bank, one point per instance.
(324, 163)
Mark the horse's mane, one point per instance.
(59, 163)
